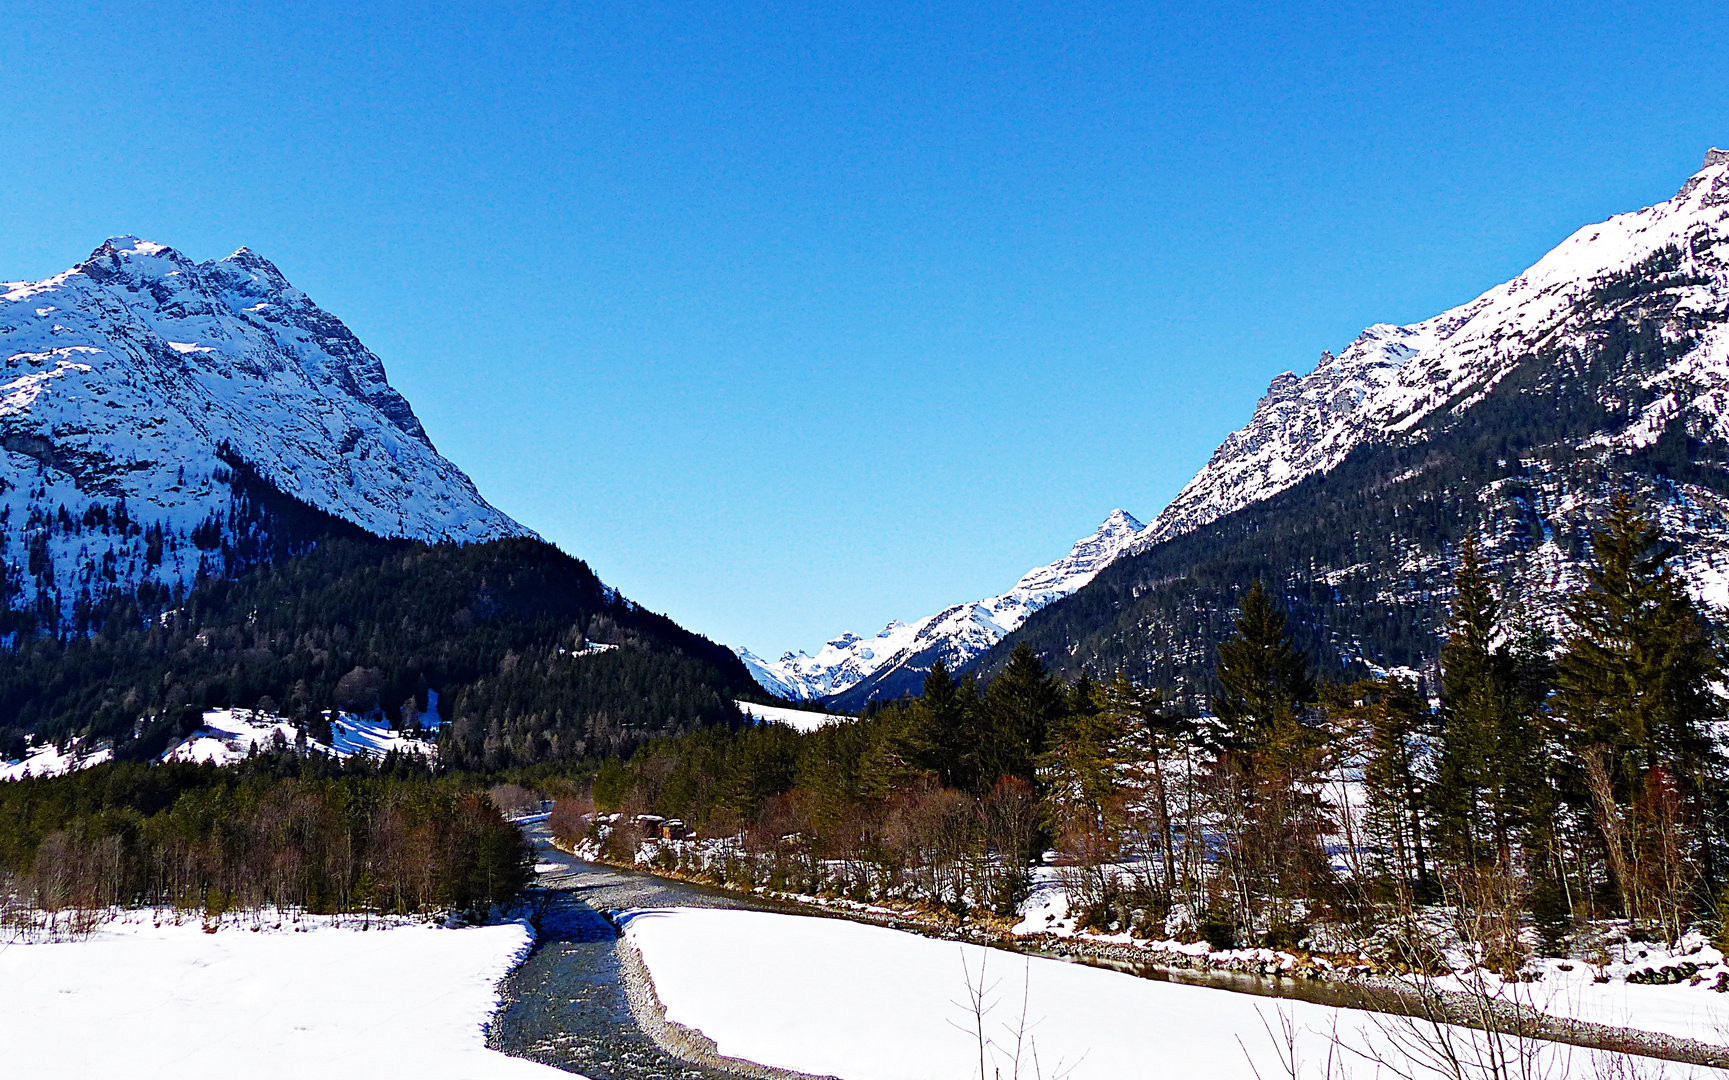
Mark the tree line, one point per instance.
(281, 830)
(1528, 777)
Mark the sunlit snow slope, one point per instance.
(1392, 378)
(134, 384)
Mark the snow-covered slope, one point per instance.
(228, 736)
(134, 384)
(1392, 378)
(797, 719)
(854, 666)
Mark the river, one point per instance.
(565, 1005)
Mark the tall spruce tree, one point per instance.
(1635, 676)
(1489, 758)
(1263, 681)
(944, 732)
(1634, 685)
(1151, 727)
(1020, 705)
(1268, 816)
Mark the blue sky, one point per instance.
(795, 319)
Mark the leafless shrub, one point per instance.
(513, 800)
(1017, 1055)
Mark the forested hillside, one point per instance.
(281, 830)
(532, 657)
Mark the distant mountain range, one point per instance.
(850, 671)
(1514, 417)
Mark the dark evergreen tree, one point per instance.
(1263, 680)
(1490, 756)
(943, 730)
(1020, 706)
(1635, 687)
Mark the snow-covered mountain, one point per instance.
(851, 670)
(1387, 382)
(1513, 420)
(134, 388)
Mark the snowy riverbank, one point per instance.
(832, 997)
(294, 999)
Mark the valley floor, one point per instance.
(146, 997)
(832, 997)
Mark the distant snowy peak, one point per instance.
(1393, 378)
(138, 377)
(955, 634)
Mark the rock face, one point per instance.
(139, 389)
(850, 671)
(1392, 378)
(1512, 420)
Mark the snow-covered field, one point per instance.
(797, 719)
(227, 736)
(859, 1002)
(46, 759)
(137, 1000)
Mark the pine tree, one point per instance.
(1470, 792)
(1079, 769)
(1267, 813)
(1635, 676)
(1151, 727)
(942, 728)
(1386, 721)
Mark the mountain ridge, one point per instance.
(1391, 377)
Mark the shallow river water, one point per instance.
(565, 1005)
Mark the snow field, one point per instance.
(46, 759)
(226, 737)
(141, 1001)
(797, 719)
(858, 1002)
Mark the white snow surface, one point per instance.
(47, 759)
(309, 999)
(123, 378)
(797, 719)
(960, 632)
(229, 735)
(860, 1002)
(1392, 377)
(225, 737)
